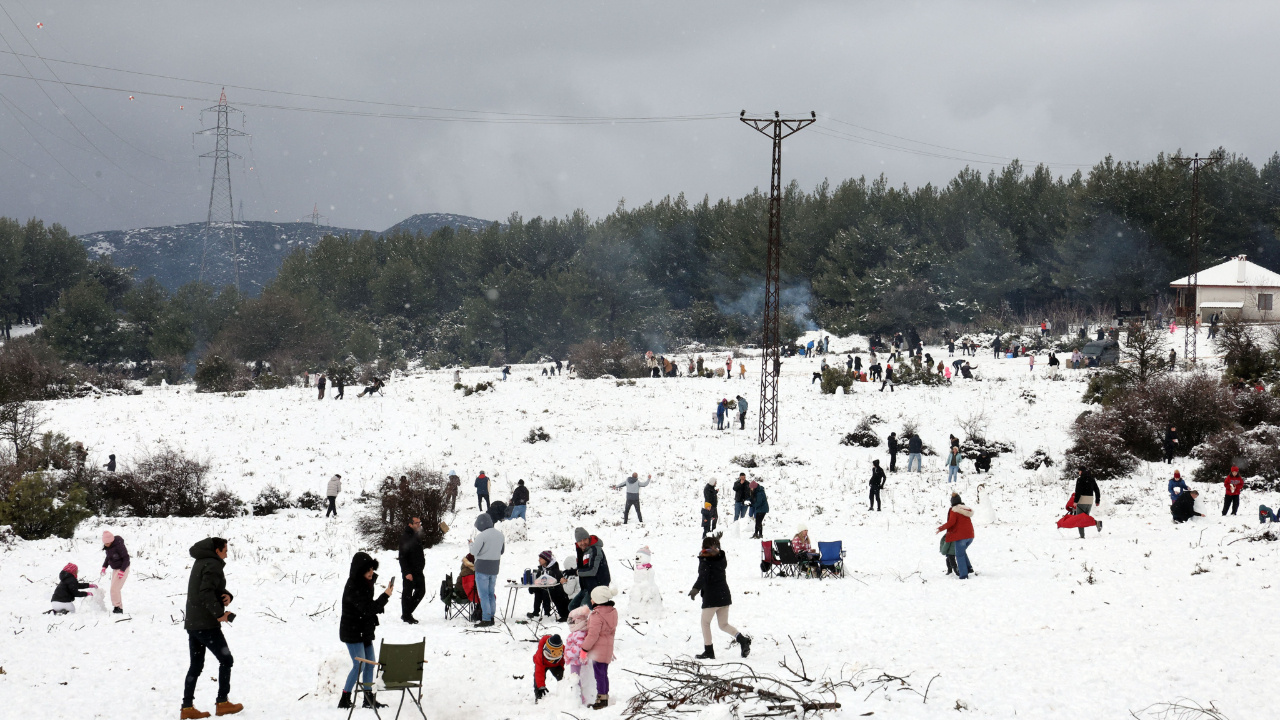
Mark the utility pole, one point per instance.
(1190, 326)
(221, 209)
(315, 215)
(776, 128)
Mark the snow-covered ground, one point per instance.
(1052, 626)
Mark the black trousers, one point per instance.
(333, 507)
(412, 593)
(197, 641)
(875, 499)
(482, 500)
(893, 462)
(760, 524)
(632, 501)
(543, 599)
(1232, 502)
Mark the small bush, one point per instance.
(224, 504)
(537, 435)
(746, 460)
(270, 500)
(593, 359)
(216, 374)
(310, 501)
(561, 483)
(1038, 459)
(973, 447)
(35, 509)
(834, 377)
(482, 386)
(1256, 452)
(163, 484)
(862, 436)
(341, 373)
(54, 451)
(1098, 447)
(904, 374)
(30, 370)
(272, 382)
(1255, 408)
(420, 494)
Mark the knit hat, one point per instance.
(1177, 474)
(546, 555)
(601, 594)
(580, 534)
(706, 505)
(520, 483)
(71, 568)
(578, 617)
(754, 484)
(554, 649)
(107, 537)
(1234, 469)
(801, 528)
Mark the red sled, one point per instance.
(1082, 520)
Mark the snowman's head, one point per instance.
(643, 556)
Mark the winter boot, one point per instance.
(745, 643)
(371, 701)
(1099, 526)
(602, 702)
(951, 565)
(226, 707)
(190, 713)
(1081, 533)
(345, 702)
(120, 611)
(708, 653)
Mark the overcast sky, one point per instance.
(1060, 82)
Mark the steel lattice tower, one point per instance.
(776, 128)
(222, 218)
(1191, 318)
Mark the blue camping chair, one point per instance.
(832, 559)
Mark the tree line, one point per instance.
(859, 256)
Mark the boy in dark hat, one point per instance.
(549, 656)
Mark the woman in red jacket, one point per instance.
(1233, 484)
(959, 531)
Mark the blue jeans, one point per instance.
(914, 458)
(486, 586)
(517, 511)
(952, 471)
(359, 650)
(962, 558)
(741, 510)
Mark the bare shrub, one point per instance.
(1098, 447)
(418, 493)
(163, 484)
(975, 425)
(30, 370)
(592, 359)
(19, 423)
(561, 483)
(1256, 452)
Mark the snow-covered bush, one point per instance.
(905, 374)
(224, 504)
(310, 501)
(1098, 447)
(974, 447)
(217, 374)
(593, 359)
(270, 500)
(862, 436)
(1038, 459)
(418, 493)
(1255, 408)
(1256, 452)
(537, 435)
(561, 483)
(163, 484)
(36, 509)
(834, 377)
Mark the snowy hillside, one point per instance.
(427, 223)
(1052, 626)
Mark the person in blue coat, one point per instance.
(760, 506)
(1177, 486)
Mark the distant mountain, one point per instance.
(427, 223)
(172, 253)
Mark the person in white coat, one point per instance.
(331, 491)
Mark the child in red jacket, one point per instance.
(1233, 484)
(549, 656)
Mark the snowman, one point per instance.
(646, 600)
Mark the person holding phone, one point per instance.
(207, 601)
(360, 610)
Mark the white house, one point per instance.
(1236, 288)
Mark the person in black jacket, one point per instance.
(1086, 495)
(741, 497)
(711, 495)
(360, 610)
(519, 499)
(1184, 508)
(69, 588)
(715, 598)
(915, 452)
(547, 589)
(877, 482)
(207, 601)
(1170, 443)
(412, 562)
(893, 451)
(888, 377)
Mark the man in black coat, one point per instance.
(893, 452)
(1184, 507)
(711, 495)
(877, 482)
(741, 497)
(1170, 443)
(412, 562)
(207, 600)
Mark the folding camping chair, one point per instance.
(461, 600)
(768, 562)
(788, 563)
(832, 559)
(401, 669)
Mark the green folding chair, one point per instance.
(401, 669)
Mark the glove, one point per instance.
(95, 587)
(88, 594)
(693, 594)
(120, 574)
(538, 693)
(104, 571)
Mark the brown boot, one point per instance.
(190, 713)
(228, 708)
(602, 702)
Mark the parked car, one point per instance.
(1102, 352)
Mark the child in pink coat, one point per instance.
(601, 627)
(576, 657)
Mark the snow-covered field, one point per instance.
(1052, 626)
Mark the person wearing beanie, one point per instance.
(519, 499)
(117, 558)
(803, 546)
(69, 588)
(959, 529)
(1177, 486)
(487, 548)
(1233, 484)
(360, 610)
(482, 491)
(602, 624)
(716, 598)
(577, 657)
(548, 657)
(708, 519)
(331, 491)
(547, 589)
(760, 507)
(592, 567)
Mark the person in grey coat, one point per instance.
(742, 412)
(331, 492)
(487, 549)
(633, 485)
